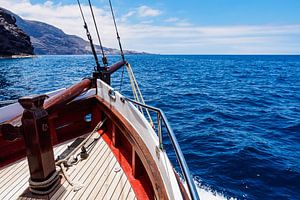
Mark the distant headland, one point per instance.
(24, 38)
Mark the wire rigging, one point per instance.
(104, 59)
(89, 37)
(117, 32)
(119, 41)
(135, 87)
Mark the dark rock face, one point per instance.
(13, 41)
(49, 40)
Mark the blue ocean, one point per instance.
(237, 118)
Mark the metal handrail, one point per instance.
(179, 155)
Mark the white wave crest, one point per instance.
(206, 193)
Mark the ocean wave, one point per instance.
(293, 128)
(207, 193)
(235, 117)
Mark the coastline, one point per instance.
(17, 56)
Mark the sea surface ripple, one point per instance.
(237, 118)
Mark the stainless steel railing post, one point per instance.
(179, 155)
(159, 129)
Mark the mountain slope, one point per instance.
(13, 41)
(48, 39)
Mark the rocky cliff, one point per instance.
(47, 39)
(13, 40)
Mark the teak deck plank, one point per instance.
(17, 173)
(122, 186)
(93, 175)
(82, 179)
(63, 191)
(100, 175)
(131, 195)
(113, 186)
(111, 177)
(102, 181)
(73, 173)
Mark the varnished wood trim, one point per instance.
(140, 147)
(181, 187)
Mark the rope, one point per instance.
(42, 192)
(76, 186)
(63, 162)
(37, 187)
(137, 92)
(117, 32)
(104, 59)
(133, 85)
(45, 183)
(64, 172)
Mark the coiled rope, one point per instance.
(63, 163)
(35, 187)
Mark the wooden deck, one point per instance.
(100, 176)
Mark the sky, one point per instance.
(177, 26)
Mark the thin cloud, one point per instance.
(171, 19)
(129, 14)
(125, 17)
(141, 13)
(217, 40)
(145, 11)
(145, 35)
(66, 17)
(48, 3)
(182, 23)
